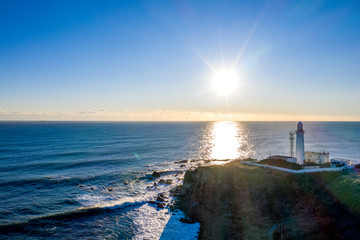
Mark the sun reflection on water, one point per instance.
(225, 141)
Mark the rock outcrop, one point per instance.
(235, 201)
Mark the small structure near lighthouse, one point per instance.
(300, 148)
(303, 162)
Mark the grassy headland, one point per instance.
(236, 201)
(280, 163)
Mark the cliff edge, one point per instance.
(236, 201)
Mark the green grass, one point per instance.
(281, 163)
(346, 188)
(241, 201)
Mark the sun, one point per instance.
(225, 81)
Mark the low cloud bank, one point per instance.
(163, 115)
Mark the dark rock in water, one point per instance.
(152, 202)
(186, 220)
(175, 190)
(155, 184)
(165, 181)
(81, 186)
(178, 173)
(162, 195)
(109, 189)
(155, 174)
(126, 182)
(182, 165)
(160, 205)
(182, 161)
(160, 199)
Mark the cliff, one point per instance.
(236, 201)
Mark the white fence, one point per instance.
(295, 171)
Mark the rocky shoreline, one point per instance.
(235, 201)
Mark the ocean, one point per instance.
(93, 180)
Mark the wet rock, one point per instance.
(182, 161)
(81, 186)
(195, 204)
(109, 189)
(175, 190)
(182, 165)
(169, 181)
(185, 220)
(161, 181)
(155, 174)
(152, 202)
(160, 205)
(163, 195)
(160, 199)
(126, 182)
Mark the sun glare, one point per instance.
(225, 81)
(225, 141)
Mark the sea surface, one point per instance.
(92, 180)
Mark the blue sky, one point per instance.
(154, 60)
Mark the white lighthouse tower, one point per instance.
(300, 149)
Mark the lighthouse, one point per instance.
(300, 149)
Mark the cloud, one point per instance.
(164, 115)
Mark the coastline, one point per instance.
(238, 201)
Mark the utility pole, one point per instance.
(292, 140)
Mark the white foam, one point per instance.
(153, 223)
(175, 229)
(103, 201)
(149, 221)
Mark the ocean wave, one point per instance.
(41, 181)
(72, 214)
(100, 203)
(68, 154)
(59, 165)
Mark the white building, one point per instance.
(317, 157)
(300, 148)
(339, 162)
